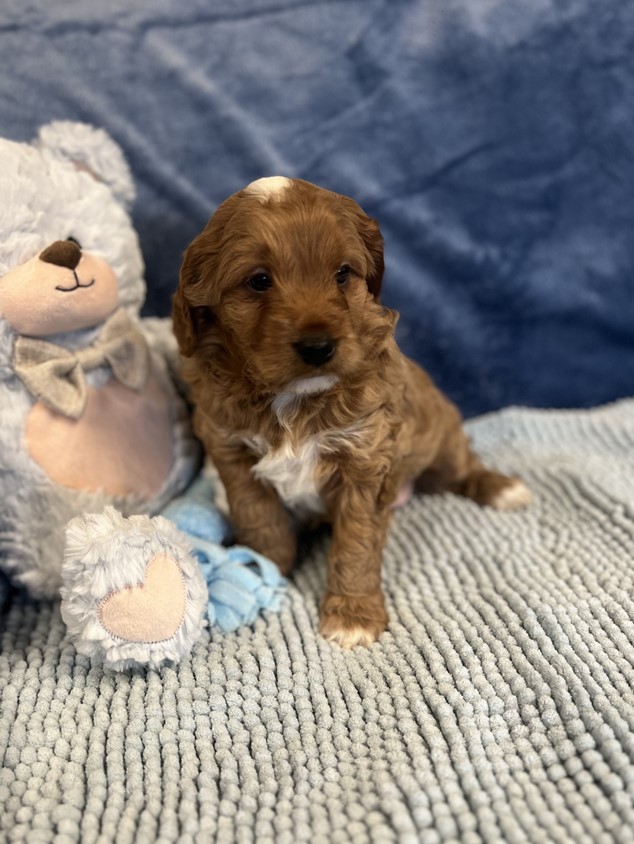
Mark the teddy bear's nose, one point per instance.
(62, 253)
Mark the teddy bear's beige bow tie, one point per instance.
(55, 375)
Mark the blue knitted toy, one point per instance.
(139, 591)
(240, 581)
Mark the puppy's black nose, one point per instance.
(315, 349)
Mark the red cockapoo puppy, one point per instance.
(302, 398)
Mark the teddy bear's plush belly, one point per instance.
(122, 444)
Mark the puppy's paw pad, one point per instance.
(513, 496)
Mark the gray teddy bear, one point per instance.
(95, 438)
(90, 414)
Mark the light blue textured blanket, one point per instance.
(499, 706)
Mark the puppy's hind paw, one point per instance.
(493, 489)
(513, 496)
(349, 622)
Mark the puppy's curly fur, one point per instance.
(302, 398)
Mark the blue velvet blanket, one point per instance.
(492, 139)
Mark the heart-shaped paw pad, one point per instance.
(151, 612)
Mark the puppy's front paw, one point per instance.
(351, 621)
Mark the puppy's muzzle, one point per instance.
(315, 349)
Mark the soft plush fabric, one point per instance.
(491, 138)
(90, 414)
(137, 592)
(497, 708)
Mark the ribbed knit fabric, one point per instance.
(497, 708)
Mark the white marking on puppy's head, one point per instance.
(268, 188)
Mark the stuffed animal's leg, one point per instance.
(133, 593)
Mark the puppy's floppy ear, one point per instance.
(372, 238)
(183, 324)
(198, 294)
(189, 318)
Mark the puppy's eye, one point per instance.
(343, 274)
(260, 282)
(74, 240)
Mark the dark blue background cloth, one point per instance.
(492, 139)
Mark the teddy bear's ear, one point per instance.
(89, 149)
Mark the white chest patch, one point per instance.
(268, 188)
(291, 471)
(289, 400)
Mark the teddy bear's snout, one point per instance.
(62, 253)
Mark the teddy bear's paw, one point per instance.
(151, 612)
(132, 592)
